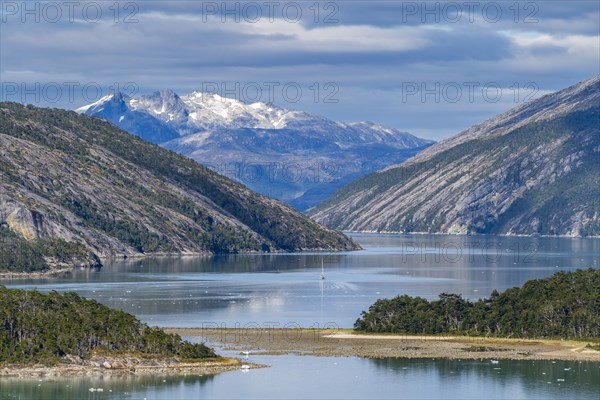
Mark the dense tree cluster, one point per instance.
(20, 255)
(566, 305)
(36, 327)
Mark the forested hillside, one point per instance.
(566, 305)
(79, 179)
(36, 327)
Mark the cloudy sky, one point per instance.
(432, 68)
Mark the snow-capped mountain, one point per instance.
(291, 155)
(199, 112)
(117, 109)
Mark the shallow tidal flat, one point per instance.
(344, 343)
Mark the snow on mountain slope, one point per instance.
(227, 135)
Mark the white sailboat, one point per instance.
(322, 269)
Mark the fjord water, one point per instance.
(285, 290)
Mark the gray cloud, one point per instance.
(371, 53)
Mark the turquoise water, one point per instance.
(285, 290)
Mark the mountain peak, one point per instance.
(531, 170)
(164, 102)
(175, 205)
(580, 96)
(164, 95)
(99, 104)
(226, 133)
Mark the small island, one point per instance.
(557, 318)
(66, 334)
(563, 306)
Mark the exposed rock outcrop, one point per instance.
(82, 180)
(532, 170)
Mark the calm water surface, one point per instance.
(286, 290)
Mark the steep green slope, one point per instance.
(81, 179)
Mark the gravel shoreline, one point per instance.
(331, 343)
(346, 343)
(51, 273)
(119, 367)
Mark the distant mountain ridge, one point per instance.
(532, 170)
(290, 155)
(82, 180)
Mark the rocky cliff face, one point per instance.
(82, 180)
(532, 170)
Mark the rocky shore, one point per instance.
(347, 343)
(51, 273)
(122, 366)
(339, 343)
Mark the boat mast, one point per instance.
(322, 269)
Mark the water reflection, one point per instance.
(284, 288)
(337, 378)
(547, 379)
(116, 387)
